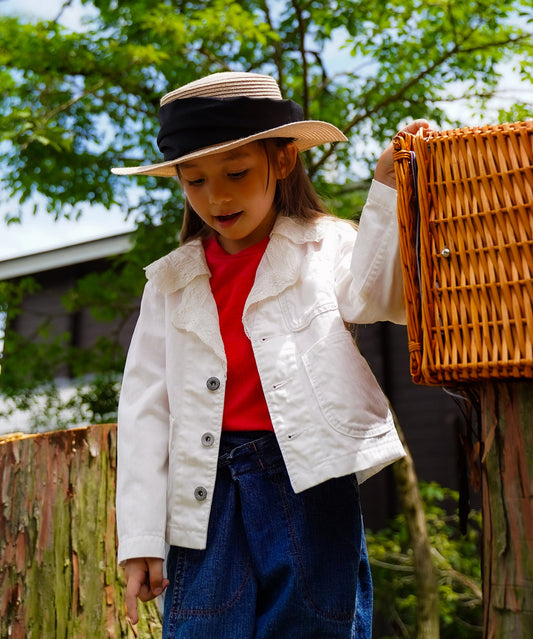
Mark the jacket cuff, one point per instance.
(377, 236)
(383, 196)
(141, 546)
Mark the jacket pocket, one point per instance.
(345, 388)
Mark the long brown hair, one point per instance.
(295, 196)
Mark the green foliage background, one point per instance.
(456, 557)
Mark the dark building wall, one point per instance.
(429, 417)
(46, 306)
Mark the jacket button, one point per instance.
(213, 383)
(208, 440)
(200, 493)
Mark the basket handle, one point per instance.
(414, 176)
(409, 224)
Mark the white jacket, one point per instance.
(328, 411)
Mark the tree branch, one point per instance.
(389, 99)
(65, 5)
(303, 56)
(277, 57)
(40, 125)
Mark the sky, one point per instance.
(40, 232)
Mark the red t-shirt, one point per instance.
(232, 278)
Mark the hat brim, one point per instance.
(305, 135)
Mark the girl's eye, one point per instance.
(197, 182)
(238, 174)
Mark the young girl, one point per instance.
(247, 415)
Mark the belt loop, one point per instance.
(258, 456)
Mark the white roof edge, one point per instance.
(65, 256)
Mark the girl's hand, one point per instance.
(385, 166)
(144, 580)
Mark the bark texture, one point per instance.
(58, 572)
(507, 475)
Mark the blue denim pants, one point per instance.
(278, 565)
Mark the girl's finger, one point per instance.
(131, 601)
(415, 125)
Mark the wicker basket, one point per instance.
(465, 208)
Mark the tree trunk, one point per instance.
(427, 589)
(58, 572)
(507, 475)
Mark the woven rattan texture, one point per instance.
(469, 286)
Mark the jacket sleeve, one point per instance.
(369, 275)
(143, 431)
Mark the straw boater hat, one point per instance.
(224, 111)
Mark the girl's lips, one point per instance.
(228, 220)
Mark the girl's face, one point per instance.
(233, 192)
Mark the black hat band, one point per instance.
(191, 124)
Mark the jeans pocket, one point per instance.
(196, 586)
(326, 538)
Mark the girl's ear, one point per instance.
(286, 159)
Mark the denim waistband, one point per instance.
(251, 447)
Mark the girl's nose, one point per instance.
(218, 193)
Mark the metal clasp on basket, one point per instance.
(446, 253)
